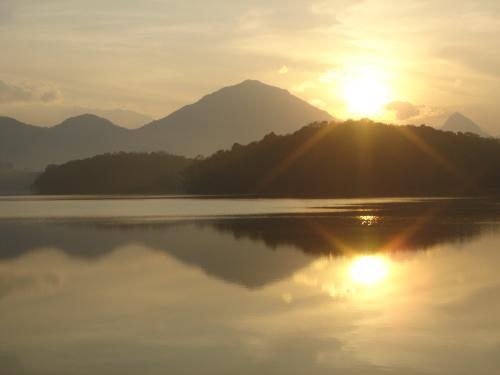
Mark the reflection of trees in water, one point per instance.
(337, 236)
(417, 225)
(237, 249)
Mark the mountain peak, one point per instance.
(85, 117)
(87, 120)
(249, 87)
(457, 116)
(252, 82)
(457, 122)
(241, 113)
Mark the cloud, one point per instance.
(155, 45)
(403, 110)
(328, 76)
(303, 86)
(475, 57)
(318, 103)
(286, 15)
(6, 10)
(50, 96)
(283, 70)
(14, 94)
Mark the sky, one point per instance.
(406, 61)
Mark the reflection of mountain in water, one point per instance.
(243, 262)
(255, 251)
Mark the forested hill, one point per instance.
(353, 159)
(117, 173)
(323, 159)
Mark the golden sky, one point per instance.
(408, 61)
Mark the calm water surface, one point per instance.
(230, 286)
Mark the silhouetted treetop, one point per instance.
(117, 173)
(354, 158)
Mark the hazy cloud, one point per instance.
(50, 96)
(479, 58)
(283, 70)
(404, 110)
(303, 86)
(6, 10)
(293, 15)
(155, 56)
(318, 103)
(328, 76)
(14, 94)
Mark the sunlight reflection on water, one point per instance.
(250, 295)
(369, 269)
(346, 276)
(368, 220)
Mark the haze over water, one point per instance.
(231, 286)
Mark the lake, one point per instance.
(193, 285)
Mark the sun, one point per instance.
(369, 269)
(365, 92)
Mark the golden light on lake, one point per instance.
(369, 269)
(365, 92)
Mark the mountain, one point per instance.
(122, 117)
(43, 115)
(236, 114)
(33, 147)
(457, 122)
(14, 181)
(19, 142)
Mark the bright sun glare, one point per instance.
(369, 269)
(365, 92)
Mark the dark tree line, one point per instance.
(354, 158)
(116, 173)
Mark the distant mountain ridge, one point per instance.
(124, 118)
(457, 122)
(33, 147)
(236, 114)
